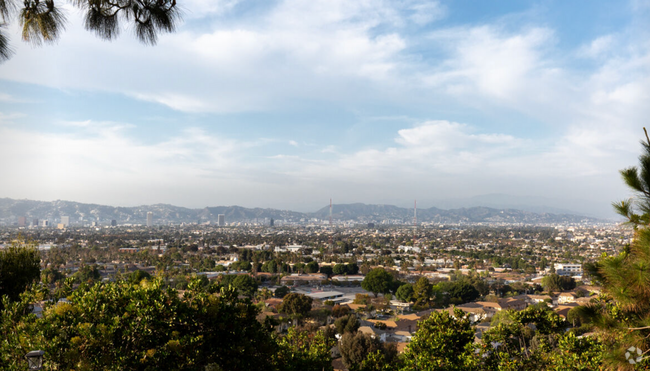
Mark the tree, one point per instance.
(43, 21)
(422, 291)
(377, 281)
(340, 310)
(352, 268)
(355, 348)
(246, 284)
(622, 316)
(311, 267)
(442, 342)
(326, 269)
(555, 282)
(124, 326)
(19, 267)
(338, 269)
(281, 291)
(300, 350)
(405, 293)
(462, 291)
(295, 305)
(346, 324)
(139, 275)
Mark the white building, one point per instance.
(149, 219)
(412, 249)
(221, 220)
(65, 220)
(568, 269)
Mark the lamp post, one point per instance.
(35, 359)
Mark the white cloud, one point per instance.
(425, 12)
(597, 47)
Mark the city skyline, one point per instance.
(286, 104)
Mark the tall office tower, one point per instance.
(271, 224)
(221, 220)
(113, 223)
(45, 223)
(149, 219)
(22, 221)
(65, 220)
(35, 222)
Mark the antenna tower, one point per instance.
(331, 242)
(415, 218)
(330, 213)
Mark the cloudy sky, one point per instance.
(287, 103)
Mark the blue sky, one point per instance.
(288, 103)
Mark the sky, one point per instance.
(288, 103)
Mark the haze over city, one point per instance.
(287, 103)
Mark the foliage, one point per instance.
(554, 282)
(120, 326)
(460, 291)
(622, 315)
(43, 21)
(576, 354)
(422, 291)
(442, 342)
(346, 324)
(377, 281)
(19, 267)
(364, 352)
(244, 283)
(405, 293)
(311, 267)
(301, 350)
(140, 275)
(295, 305)
(326, 269)
(281, 292)
(340, 310)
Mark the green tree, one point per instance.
(19, 267)
(462, 291)
(442, 342)
(355, 349)
(405, 293)
(281, 292)
(622, 314)
(311, 267)
(124, 326)
(139, 275)
(338, 269)
(295, 305)
(245, 284)
(554, 282)
(422, 291)
(377, 281)
(43, 21)
(349, 323)
(326, 269)
(300, 350)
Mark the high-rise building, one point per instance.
(65, 220)
(22, 221)
(35, 222)
(45, 223)
(113, 223)
(221, 220)
(271, 223)
(149, 219)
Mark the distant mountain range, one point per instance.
(80, 213)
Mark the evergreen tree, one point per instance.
(43, 20)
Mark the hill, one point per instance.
(81, 213)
